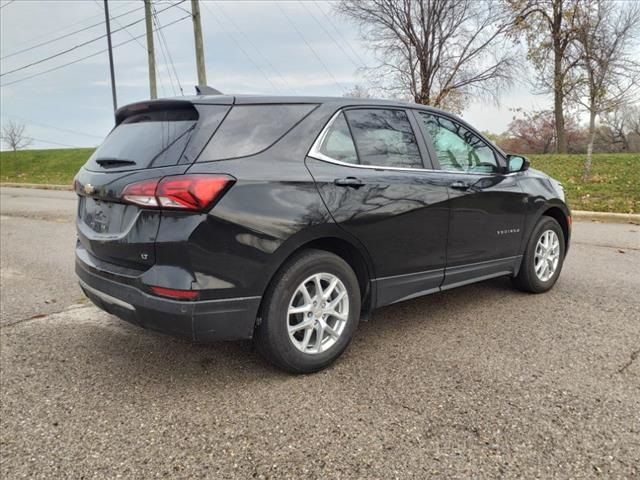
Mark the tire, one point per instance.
(527, 279)
(273, 338)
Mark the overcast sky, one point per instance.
(250, 47)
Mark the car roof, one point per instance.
(245, 99)
(248, 99)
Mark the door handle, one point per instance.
(352, 182)
(458, 185)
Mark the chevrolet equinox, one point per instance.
(287, 219)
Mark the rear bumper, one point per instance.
(200, 321)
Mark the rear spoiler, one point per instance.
(150, 105)
(170, 104)
(207, 90)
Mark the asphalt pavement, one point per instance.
(482, 381)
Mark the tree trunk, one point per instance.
(558, 104)
(592, 135)
(561, 138)
(625, 142)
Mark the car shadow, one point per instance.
(142, 354)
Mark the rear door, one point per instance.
(150, 140)
(369, 166)
(487, 204)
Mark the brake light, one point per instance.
(182, 192)
(175, 293)
(142, 193)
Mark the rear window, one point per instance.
(145, 140)
(250, 129)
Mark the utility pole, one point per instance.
(197, 34)
(151, 54)
(113, 75)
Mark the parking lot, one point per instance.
(482, 381)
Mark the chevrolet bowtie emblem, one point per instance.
(89, 189)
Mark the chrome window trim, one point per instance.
(318, 155)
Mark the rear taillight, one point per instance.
(142, 193)
(182, 192)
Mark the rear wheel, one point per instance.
(310, 312)
(543, 258)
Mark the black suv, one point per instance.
(286, 219)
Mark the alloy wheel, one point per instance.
(318, 313)
(547, 255)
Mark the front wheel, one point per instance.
(310, 312)
(543, 257)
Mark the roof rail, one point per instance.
(207, 90)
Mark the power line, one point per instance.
(52, 32)
(275, 87)
(329, 34)
(74, 47)
(31, 122)
(162, 52)
(66, 35)
(86, 57)
(315, 54)
(7, 4)
(337, 30)
(166, 47)
(246, 37)
(54, 143)
(123, 28)
(55, 55)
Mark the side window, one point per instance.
(338, 144)
(250, 129)
(384, 138)
(457, 147)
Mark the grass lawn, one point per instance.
(614, 185)
(56, 167)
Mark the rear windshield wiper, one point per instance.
(113, 162)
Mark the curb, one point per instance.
(576, 214)
(606, 216)
(41, 186)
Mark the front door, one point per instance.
(368, 165)
(487, 205)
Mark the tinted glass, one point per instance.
(457, 147)
(338, 143)
(384, 138)
(250, 129)
(145, 140)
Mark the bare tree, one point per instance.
(613, 130)
(549, 26)
(632, 115)
(358, 91)
(440, 52)
(620, 128)
(15, 136)
(607, 34)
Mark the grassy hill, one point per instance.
(614, 185)
(57, 166)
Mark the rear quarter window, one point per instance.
(251, 129)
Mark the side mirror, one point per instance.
(517, 163)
